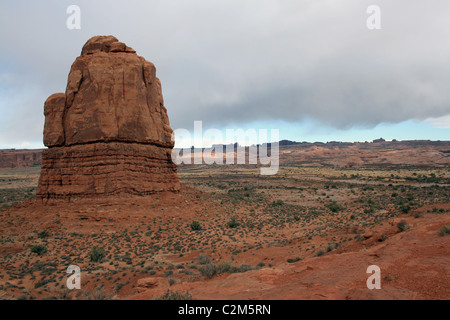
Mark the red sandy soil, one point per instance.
(415, 264)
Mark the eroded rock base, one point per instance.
(102, 169)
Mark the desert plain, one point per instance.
(308, 232)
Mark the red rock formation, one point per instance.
(20, 158)
(109, 133)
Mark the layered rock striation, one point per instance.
(109, 133)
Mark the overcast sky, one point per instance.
(242, 63)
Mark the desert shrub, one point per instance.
(402, 225)
(99, 294)
(369, 210)
(210, 270)
(119, 286)
(242, 268)
(203, 259)
(405, 208)
(39, 249)
(277, 203)
(175, 295)
(320, 253)
(41, 283)
(43, 234)
(334, 207)
(97, 254)
(445, 230)
(332, 246)
(195, 226)
(410, 197)
(188, 272)
(168, 273)
(233, 223)
(292, 260)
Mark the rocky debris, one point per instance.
(109, 133)
(145, 284)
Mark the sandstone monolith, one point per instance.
(109, 133)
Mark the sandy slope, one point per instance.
(415, 264)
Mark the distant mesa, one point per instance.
(378, 140)
(12, 158)
(109, 133)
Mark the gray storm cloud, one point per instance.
(240, 61)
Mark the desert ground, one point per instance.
(309, 232)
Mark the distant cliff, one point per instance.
(332, 153)
(379, 152)
(13, 158)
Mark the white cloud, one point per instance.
(440, 122)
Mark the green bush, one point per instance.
(402, 225)
(334, 207)
(445, 230)
(175, 295)
(168, 273)
(233, 223)
(369, 210)
(210, 270)
(97, 254)
(195, 226)
(43, 234)
(39, 249)
(203, 259)
(119, 286)
(277, 203)
(41, 283)
(405, 208)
